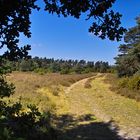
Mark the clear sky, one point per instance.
(68, 38)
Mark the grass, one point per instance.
(105, 104)
(124, 111)
(76, 108)
(78, 121)
(88, 83)
(30, 87)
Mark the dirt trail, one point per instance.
(81, 82)
(82, 103)
(79, 123)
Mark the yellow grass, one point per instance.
(105, 104)
(30, 87)
(76, 105)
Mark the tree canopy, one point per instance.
(15, 19)
(128, 61)
(45, 65)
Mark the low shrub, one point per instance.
(88, 83)
(40, 71)
(123, 82)
(55, 90)
(133, 83)
(127, 86)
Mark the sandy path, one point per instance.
(82, 120)
(101, 102)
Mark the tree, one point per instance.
(26, 65)
(128, 61)
(15, 19)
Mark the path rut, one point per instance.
(85, 119)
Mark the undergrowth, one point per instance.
(127, 86)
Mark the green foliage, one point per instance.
(133, 83)
(26, 65)
(44, 65)
(27, 125)
(16, 124)
(5, 134)
(5, 89)
(15, 19)
(128, 62)
(129, 87)
(40, 71)
(65, 71)
(5, 66)
(123, 86)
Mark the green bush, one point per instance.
(16, 124)
(127, 86)
(40, 71)
(65, 71)
(123, 82)
(132, 83)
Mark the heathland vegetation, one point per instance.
(47, 99)
(128, 63)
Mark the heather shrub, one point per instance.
(133, 83)
(40, 71)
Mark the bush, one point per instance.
(88, 83)
(123, 82)
(40, 71)
(65, 71)
(132, 83)
(128, 86)
(16, 124)
(55, 90)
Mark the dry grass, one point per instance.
(88, 83)
(29, 87)
(47, 92)
(81, 102)
(124, 111)
(105, 104)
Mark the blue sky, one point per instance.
(68, 38)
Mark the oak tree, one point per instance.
(15, 19)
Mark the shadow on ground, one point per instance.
(85, 128)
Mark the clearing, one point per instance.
(97, 112)
(84, 108)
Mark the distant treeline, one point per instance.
(45, 65)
